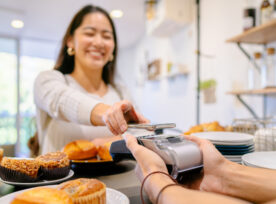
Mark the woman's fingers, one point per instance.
(119, 116)
(115, 118)
(109, 126)
(129, 111)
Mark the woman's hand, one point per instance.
(117, 116)
(214, 167)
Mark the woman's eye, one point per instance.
(107, 37)
(89, 34)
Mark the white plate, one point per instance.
(247, 164)
(112, 196)
(226, 138)
(233, 156)
(236, 160)
(231, 143)
(260, 159)
(115, 197)
(40, 183)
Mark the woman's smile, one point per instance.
(96, 54)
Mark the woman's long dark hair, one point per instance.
(65, 62)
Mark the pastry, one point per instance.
(205, 127)
(19, 170)
(103, 151)
(1, 154)
(80, 149)
(54, 165)
(42, 195)
(85, 191)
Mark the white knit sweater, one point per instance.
(63, 110)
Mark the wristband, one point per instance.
(155, 172)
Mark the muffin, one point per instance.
(103, 152)
(42, 195)
(85, 191)
(80, 149)
(1, 154)
(19, 170)
(54, 165)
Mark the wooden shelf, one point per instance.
(266, 91)
(263, 34)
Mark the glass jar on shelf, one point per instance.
(253, 74)
(266, 12)
(249, 15)
(271, 68)
(274, 10)
(262, 70)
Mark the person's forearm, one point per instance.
(180, 195)
(97, 114)
(154, 184)
(252, 184)
(271, 202)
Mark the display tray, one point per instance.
(112, 196)
(41, 182)
(91, 165)
(92, 160)
(100, 167)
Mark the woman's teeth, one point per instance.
(99, 54)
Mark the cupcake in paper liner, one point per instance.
(85, 191)
(19, 170)
(54, 165)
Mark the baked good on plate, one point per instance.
(205, 127)
(85, 191)
(42, 195)
(103, 151)
(54, 165)
(80, 149)
(19, 170)
(1, 154)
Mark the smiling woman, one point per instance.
(80, 95)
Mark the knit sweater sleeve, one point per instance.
(54, 96)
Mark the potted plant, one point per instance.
(209, 90)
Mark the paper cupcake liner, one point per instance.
(16, 176)
(56, 173)
(95, 198)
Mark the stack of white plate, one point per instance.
(232, 145)
(260, 159)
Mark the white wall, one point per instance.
(174, 100)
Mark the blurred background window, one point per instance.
(17, 116)
(8, 63)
